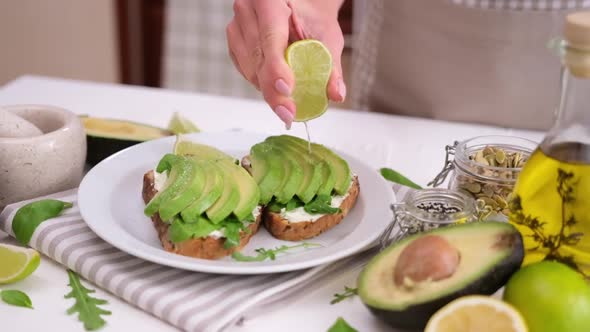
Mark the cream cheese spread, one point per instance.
(159, 180)
(300, 215)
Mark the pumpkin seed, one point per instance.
(493, 196)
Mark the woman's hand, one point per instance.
(260, 32)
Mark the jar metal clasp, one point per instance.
(448, 165)
(385, 239)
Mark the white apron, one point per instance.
(461, 60)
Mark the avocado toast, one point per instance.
(204, 204)
(306, 189)
(201, 202)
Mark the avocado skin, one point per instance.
(100, 148)
(416, 317)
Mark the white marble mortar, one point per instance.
(36, 165)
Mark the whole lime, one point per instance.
(551, 297)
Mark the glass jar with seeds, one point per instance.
(486, 167)
(431, 208)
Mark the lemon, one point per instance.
(181, 125)
(311, 63)
(476, 313)
(17, 263)
(551, 296)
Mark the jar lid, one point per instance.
(577, 30)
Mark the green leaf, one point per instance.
(232, 233)
(270, 253)
(16, 298)
(30, 216)
(275, 206)
(243, 258)
(180, 231)
(396, 177)
(341, 326)
(250, 218)
(321, 204)
(349, 292)
(293, 204)
(86, 306)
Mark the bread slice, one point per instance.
(283, 229)
(206, 248)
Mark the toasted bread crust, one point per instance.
(283, 229)
(206, 248)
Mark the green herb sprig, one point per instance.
(396, 177)
(349, 292)
(271, 254)
(551, 243)
(30, 216)
(87, 307)
(16, 298)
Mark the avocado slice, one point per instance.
(213, 187)
(105, 136)
(267, 169)
(228, 201)
(248, 189)
(178, 178)
(292, 178)
(489, 253)
(337, 170)
(312, 168)
(200, 151)
(191, 191)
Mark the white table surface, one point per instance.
(415, 147)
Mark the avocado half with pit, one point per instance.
(405, 284)
(104, 137)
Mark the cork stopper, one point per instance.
(577, 30)
(577, 36)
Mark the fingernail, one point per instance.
(284, 115)
(341, 90)
(282, 87)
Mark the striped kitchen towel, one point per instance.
(191, 301)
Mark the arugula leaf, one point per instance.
(232, 228)
(341, 326)
(348, 293)
(293, 204)
(275, 206)
(396, 177)
(180, 231)
(250, 218)
(30, 216)
(321, 204)
(16, 298)
(270, 253)
(243, 258)
(87, 307)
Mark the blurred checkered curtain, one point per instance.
(195, 55)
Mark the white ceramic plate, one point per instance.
(111, 204)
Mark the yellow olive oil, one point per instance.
(550, 205)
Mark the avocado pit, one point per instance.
(428, 258)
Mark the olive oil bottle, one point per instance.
(550, 204)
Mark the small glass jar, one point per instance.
(431, 208)
(486, 168)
